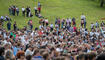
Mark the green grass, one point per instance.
(55, 8)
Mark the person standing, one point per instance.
(83, 20)
(17, 11)
(97, 25)
(73, 21)
(31, 25)
(70, 22)
(30, 12)
(46, 22)
(39, 4)
(62, 23)
(35, 11)
(92, 26)
(83, 16)
(14, 10)
(102, 24)
(85, 23)
(58, 22)
(82, 23)
(10, 10)
(9, 25)
(15, 26)
(39, 9)
(23, 11)
(27, 11)
(51, 26)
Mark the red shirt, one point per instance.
(74, 29)
(39, 8)
(40, 32)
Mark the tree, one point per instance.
(102, 3)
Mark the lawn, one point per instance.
(55, 8)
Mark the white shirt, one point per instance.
(2, 17)
(40, 26)
(92, 25)
(92, 33)
(59, 49)
(46, 20)
(28, 52)
(4, 35)
(22, 39)
(23, 9)
(51, 25)
(83, 17)
(69, 20)
(35, 8)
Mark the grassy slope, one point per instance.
(55, 8)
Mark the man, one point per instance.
(27, 11)
(51, 26)
(85, 23)
(17, 11)
(29, 51)
(9, 25)
(97, 25)
(37, 55)
(83, 16)
(35, 10)
(73, 21)
(39, 4)
(102, 24)
(15, 26)
(92, 26)
(83, 20)
(46, 22)
(62, 23)
(23, 11)
(14, 10)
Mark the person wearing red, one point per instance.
(74, 29)
(39, 9)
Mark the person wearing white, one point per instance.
(83, 16)
(2, 17)
(35, 8)
(51, 25)
(28, 52)
(23, 11)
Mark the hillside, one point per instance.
(55, 8)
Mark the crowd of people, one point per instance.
(14, 10)
(59, 41)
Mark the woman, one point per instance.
(21, 55)
(9, 55)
